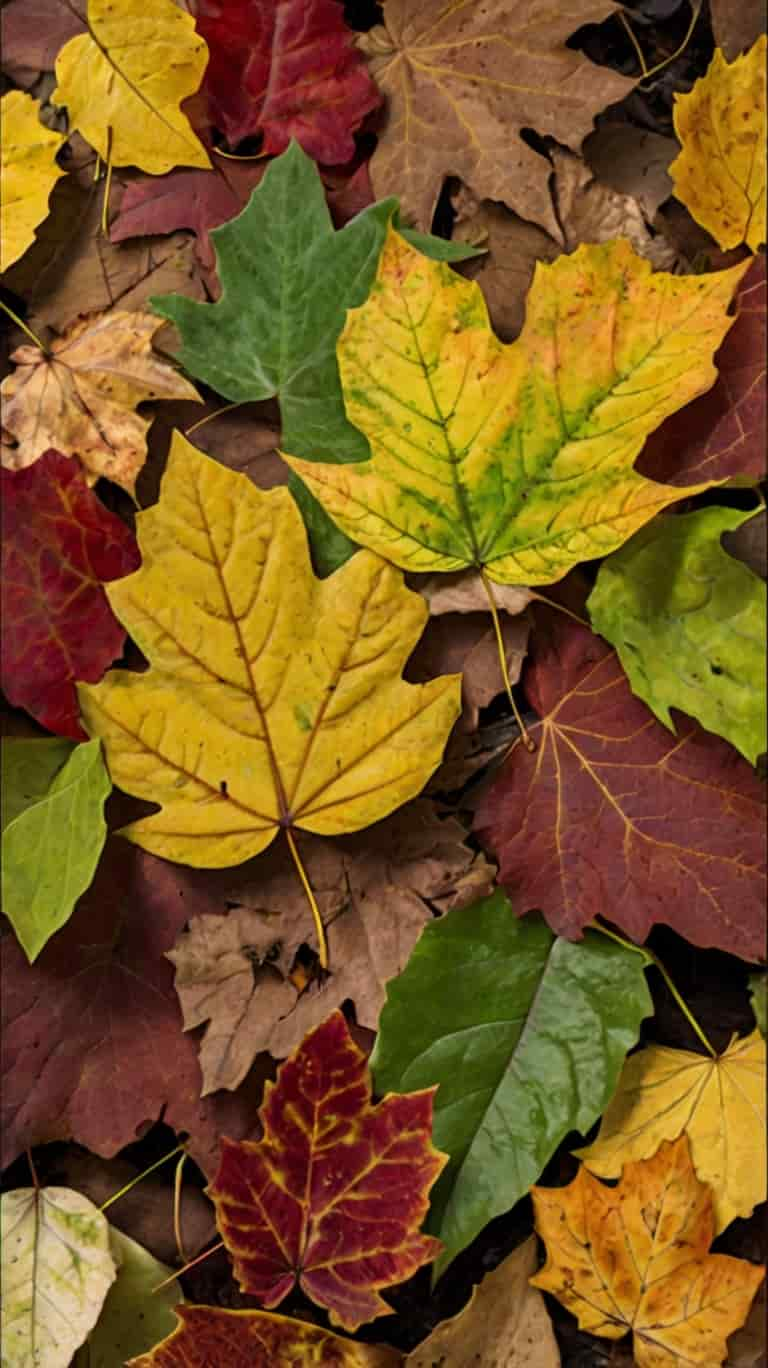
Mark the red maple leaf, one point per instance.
(285, 69)
(722, 433)
(335, 1192)
(60, 544)
(615, 815)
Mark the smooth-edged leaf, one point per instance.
(60, 544)
(221, 1339)
(689, 624)
(720, 173)
(134, 1316)
(56, 1270)
(758, 992)
(273, 699)
(124, 80)
(614, 815)
(53, 832)
(736, 25)
(636, 1257)
(719, 1103)
(525, 1034)
(333, 1196)
(28, 173)
(80, 397)
(33, 32)
(285, 69)
(517, 458)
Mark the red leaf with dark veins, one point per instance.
(60, 545)
(285, 69)
(614, 815)
(333, 1196)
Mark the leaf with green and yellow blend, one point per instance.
(515, 458)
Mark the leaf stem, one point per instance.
(177, 1208)
(33, 1170)
(646, 73)
(21, 324)
(202, 421)
(139, 1178)
(107, 187)
(527, 740)
(553, 603)
(322, 943)
(181, 1271)
(236, 156)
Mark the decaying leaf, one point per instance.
(285, 69)
(737, 24)
(633, 161)
(81, 396)
(57, 1269)
(720, 173)
(504, 1325)
(137, 1312)
(28, 173)
(123, 82)
(208, 1335)
(612, 808)
(274, 700)
(33, 32)
(461, 80)
(334, 1194)
(466, 642)
(635, 1257)
(60, 545)
(517, 458)
(719, 1103)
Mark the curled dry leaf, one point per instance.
(28, 173)
(80, 396)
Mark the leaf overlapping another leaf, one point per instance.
(216, 1337)
(28, 173)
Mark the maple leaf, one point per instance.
(207, 1334)
(718, 1101)
(123, 82)
(79, 397)
(462, 79)
(28, 173)
(689, 624)
(275, 699)
(636, 1257)
(722, 433)
(60, 545)
(612, 808)
(33, 31)
(285, 69)
(517, 458)
(720, 173)
(333, 1196)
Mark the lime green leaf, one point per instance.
(134, 1317)
(53, 832)
(56, 1271)
(689, 623)
(758, 992)
(524, 1032)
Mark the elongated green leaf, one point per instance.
(524, 1032)
(689, 624)
(56, 1271)
(758, 992)
(53, 832)
(134, 1318)
(287, 279)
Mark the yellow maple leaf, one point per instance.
(80, 396)
(515, 458)
(719, 1103)
(720, 172)
(124, 80)
(635, 1257)
(28, 173)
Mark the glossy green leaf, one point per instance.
(524, 1032)
(287, 279)
(758, 993)
(53, 832)
(134, 1318)
(689, 624)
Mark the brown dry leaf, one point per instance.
(592, 212)
(633, 161)
(504, 1325)
(737, 24)
(746, 1349)
(464, 592)
(462, 79)
(749, 543)
(81, 397)
(467, 753)
(375, 891)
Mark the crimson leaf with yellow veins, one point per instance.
(515, 459)
(273, 699)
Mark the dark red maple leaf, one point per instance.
(722, 433)
(335, 1192)
(615, 815)
(285, 69)
(60, 544)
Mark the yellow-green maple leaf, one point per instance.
(516, 458)
(720, 172)
(28, 173)
(719, 1103)
(124, 80)
(273, 699)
